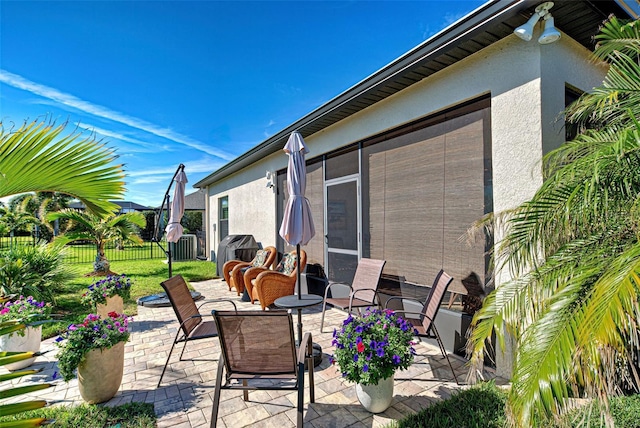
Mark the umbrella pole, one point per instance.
(299, 295)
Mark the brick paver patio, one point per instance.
(185, 397)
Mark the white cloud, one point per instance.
(143, 147)
(68, 100)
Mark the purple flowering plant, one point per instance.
(93, 333)
(372, 347)
(112, 285)
(25, 310)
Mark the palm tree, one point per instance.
(15, 220)
(122, 228)
(42, 203)
(39, 157)
(573, 252)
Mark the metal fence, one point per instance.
(86, 252)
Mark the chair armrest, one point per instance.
(228, 267)
(239, 265)
(206, 302)
(353, 294)
(268, 286)
(249, 276)
(305, 349)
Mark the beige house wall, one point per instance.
(526, 82)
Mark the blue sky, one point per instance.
(195, 82)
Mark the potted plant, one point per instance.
(96, 349)
(26, 311)
(108, 294)
(369, 350)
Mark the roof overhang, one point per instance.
(484, 26)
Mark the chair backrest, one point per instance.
(367, 276)
(264, 257)
(434, 299)
(257, 342)
(182, 302)
(289, 262)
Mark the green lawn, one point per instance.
(131, 415)
(146, 276)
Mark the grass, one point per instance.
(131, 415)
(483, 406)
(479, 407)
(146, 276)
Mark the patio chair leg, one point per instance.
(312, 394)
(183, 349)
(444, 352)
(168, 358)
(324, 306)
(300, 423)
(216, 394)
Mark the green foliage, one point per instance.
(93, 333)
(38, 156)
(482, 406)
(626, 411)
(147, 231)
(34, 271)
(192, 221)
(119, 228)
(372, 347)
(573, 251)
(10, 327)
(130, 415)
(147, 274)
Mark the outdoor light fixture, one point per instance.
(549, 35)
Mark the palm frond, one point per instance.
(38, 157)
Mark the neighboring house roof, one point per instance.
(489, 23)
(195, 201)
(123, 205)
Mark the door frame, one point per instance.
(341, 180)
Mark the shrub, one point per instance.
(481, 406)
(34, 270)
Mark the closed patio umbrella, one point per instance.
(174, 228)
(297, 225)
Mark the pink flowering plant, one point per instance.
(112, 285)
(372, 347)
(25, 310)
(93, 333)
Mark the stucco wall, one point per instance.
(252, 205)
(526, 82)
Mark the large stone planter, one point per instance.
(30, 342)
(113, 304)
(100, 374)
(376, 398)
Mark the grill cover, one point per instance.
(235, 247)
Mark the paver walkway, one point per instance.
(185, 398)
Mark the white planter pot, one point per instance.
(30, 342)
(100, 374)
(376, 398)
(113, 304)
